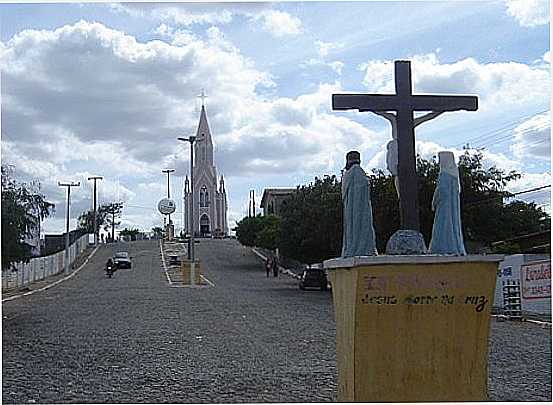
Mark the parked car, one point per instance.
(122, 260)
(313, 278)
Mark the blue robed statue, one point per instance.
(447, 232)
(358, 231)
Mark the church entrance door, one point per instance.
(204, 226)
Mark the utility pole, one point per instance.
(253, 203)
(95, 178)
(68, 185)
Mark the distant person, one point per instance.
(275, 267)
(102, 237)
(268, 265)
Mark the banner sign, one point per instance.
(166, 206)
(536, 280)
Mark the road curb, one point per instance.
(46, 287)
(163, 262)
(171, 284)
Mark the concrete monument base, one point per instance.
(412, 328)
(170, 231)
(191, 272)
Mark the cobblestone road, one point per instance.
(247, 339)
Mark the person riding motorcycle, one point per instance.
(110, 267)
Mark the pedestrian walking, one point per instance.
(275, 267)
(268, 265)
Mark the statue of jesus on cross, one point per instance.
(404, 103)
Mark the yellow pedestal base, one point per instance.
(412, 328)
(186, 269)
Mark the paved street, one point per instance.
(247, 339)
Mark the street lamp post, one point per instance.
(168, 171)
(191, 140)
(95, 178)
(68, 185)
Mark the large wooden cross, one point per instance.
(405, 103)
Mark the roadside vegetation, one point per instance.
(23, 207)
(310, 226)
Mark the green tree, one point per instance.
(86, 219)
(23, 207)
(157, 231)
(261, 231)
(269, 235)
(248, 229)
(113, 213)
(131, 232)
(311, 221)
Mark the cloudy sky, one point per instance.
(105, 89)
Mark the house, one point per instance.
(272, 199)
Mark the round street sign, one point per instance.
(166, 206)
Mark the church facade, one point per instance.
(210, 197)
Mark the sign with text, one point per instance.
(536, 280)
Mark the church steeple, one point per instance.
(210, 202)
(204, 147)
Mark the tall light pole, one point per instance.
(168, 171)
(191, 140)
(68, 185)
(95, 178)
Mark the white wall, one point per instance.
(41, 267)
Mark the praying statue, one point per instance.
(447, 233)
(358, 231)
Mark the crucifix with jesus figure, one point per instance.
(405, 103)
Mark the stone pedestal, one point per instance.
(186, 269)
(412, 328)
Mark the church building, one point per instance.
(210, 197)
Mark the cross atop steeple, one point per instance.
(203, 97)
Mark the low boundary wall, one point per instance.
(40, 268)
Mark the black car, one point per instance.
(313, 278)
(122, 260)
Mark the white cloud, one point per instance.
(62, 119)
(533, 138)
(336, 66)
(279, 23)
(508, 83)
(324, 48)
(183, 17)
(529, 13)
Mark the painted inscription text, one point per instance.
(478, 302)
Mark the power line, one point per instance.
(511, 195)
(530, 190)
(497, 131)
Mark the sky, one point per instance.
(106, 88)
